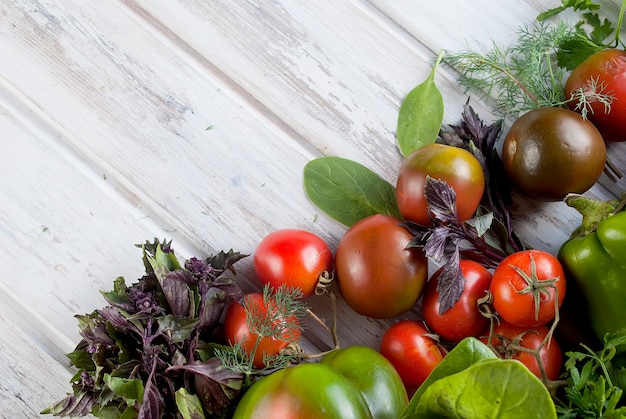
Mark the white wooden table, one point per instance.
(104, 110)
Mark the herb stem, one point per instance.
(620, 19)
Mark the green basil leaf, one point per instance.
(421, 114)
(189, 405)
(130, 389)
(491, 388)
(348, 191)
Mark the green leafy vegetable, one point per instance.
(421, 114)
(490, 388)
(472, 382)
(596, 381)
(465, 354)
(348, 191)
(575, 4)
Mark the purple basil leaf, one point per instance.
(153, 403)
(451, 283)
(118, 320)
(219, 295)
(481, 223)
(436, 243)
(74, 405)
(441, 200)
(176, 291)
(215, 385)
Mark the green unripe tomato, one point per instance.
(355, 382)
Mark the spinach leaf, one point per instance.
(491, 388)
(348, 191)
(462, 356)
(421, 114)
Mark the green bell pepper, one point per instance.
(355, 382)
(595, 258)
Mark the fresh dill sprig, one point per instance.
(519, 77)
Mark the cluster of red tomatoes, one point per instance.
(516, 306)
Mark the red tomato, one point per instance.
(527, 287)
(606, 71)
(377, 274)
(292, 257)
(507, 338)
(454, 165)
(464, 318)
(236, 328)
(411, 351)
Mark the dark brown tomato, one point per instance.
(550, 152)
(377, 275)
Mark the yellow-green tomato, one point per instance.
(355, 382)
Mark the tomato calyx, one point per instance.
(538, 287)
(324, 282)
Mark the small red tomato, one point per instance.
(507, 340)
(292, 257)
(603, 72)
(454, 165)
(377, 274)
(411, 351)
(528, 288)
(464, 318)
(237, 329)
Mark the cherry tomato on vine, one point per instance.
(292, 257)
(603, 72)
(236, 328)
(454, 165)
(550, 152)
(528, 288)
(512, 342)
(377, 275)
(464, 318)
(410, 349)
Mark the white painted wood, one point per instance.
(104, 109)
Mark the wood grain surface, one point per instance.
(192, 120)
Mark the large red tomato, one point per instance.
(377, 274)
(464, 318)
(528, 287)
(454, 165)
(507, 340)
(603, 72)
(293, 257)
(236, 328)
(414, 354)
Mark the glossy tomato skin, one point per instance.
(550, 152)
(412, 352)
(377, 275)
(355, 382)
(464, 318)
(505, 335)
(458, 167)
(518, 308)
(607, 67)
(293, 257)
(236, 330)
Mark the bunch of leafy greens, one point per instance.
(596, 381)
(531, 72)
(471, 381)
(149, 353)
